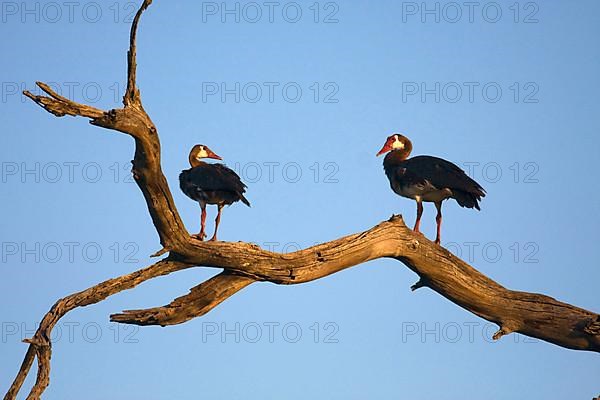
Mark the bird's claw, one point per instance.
(200, 236)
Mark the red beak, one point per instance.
(384, 149)
(213, 155)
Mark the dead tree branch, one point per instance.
(535, 315)
(40, 346)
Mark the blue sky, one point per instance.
(300, 109)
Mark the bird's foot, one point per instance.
(438, 241)
(213, 239)
(200, 236)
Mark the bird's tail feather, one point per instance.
(244, 200)
(466, 199)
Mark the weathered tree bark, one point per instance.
(535, 315)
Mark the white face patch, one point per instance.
(397, 143)
(202, 153)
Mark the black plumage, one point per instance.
(213, 184)
(210, 184)
(427, 179)
(435, 174)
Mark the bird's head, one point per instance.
(199, 152)
(396, 141)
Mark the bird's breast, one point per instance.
(419, 189)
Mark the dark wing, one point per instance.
(406, 177)
(214, 177)
(444, 174)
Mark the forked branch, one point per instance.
(535, 315)
(40, 346)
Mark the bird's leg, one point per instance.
(202, 233)
(217, 220)
(419, 213)
(438, 220)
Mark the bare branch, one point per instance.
(198, 302)
(501, 332)
(134, 121)
(61, 106)
(531, 314)
(418, 285)
(43, 352)
(20, 378)
(40, 343)
(535, 315)
(132, 94)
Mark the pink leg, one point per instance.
(419, 213)
(217, 220)
(202, 233)
(438, 220)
